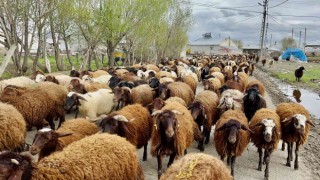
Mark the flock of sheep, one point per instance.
(130, 106)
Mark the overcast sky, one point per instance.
(245, 24)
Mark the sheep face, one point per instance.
(15, 166)
(113, 125)
(121, 94)
(74, 73)
(114, 80)
(228, 99)
(154, 82)
(166, 121)
(73, 100)
(45, 137)
(252, 94)
(40, 78)
(164, 92)
(197, 109)
(157, 104)
(269, 127)
(300, 122)
(87, 78)
(232, 128)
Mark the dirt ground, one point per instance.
(310, 151)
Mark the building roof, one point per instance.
(205, 41)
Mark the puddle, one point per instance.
(308, 99)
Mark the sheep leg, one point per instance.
(200, 145)
(185, 151)
(207, 136)
(283, 146)
(229, 157)
(77, 112)
(265, 156)
(172, 156)
(267, 160)
(222, 158)
(291, 150)
(233, 160)
(145, 154)
(296, 162)
(260, 159)
(288, 158)
(159, 158)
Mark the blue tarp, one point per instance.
(297, 53)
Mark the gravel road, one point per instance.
(246, 165)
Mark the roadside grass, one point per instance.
(317, 58)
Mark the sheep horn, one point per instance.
(121, 118)
(126, 88)
(259, 124)
(311, 123)
(177, 112)
(286, 120)
(82, 98)
(14, 161)
(246, 128)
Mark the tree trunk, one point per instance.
(85, 61)
(7, 59)
(55, 42)
(67, 49)
(26, 43)
(36, 59)
(47, 62)
(110, 52)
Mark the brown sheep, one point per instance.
(51, 78)
(152, 67)
(257, 85)
(142, 94)
(178, 89)
(212, 84)
(47, 141)
(218, 75)
(173, 132)
(205, 112)
(132, 122)
(100, 156)
(98, 73)
(295, 127)
(190, 81)
(244, 78)
(158, 103)
(197, 166)
(13, 128)
(214, 69)
(231, 136)
(266, 128)
(162, 74)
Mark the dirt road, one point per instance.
(246, 165)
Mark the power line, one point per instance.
(246, 19)
(287, 15)
(279, 4)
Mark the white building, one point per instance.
(209, 46)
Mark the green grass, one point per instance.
(311, 73)
(314, 58)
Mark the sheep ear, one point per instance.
(245, 128)
(221, 128)
(61, 134)
(156, 112)
(177, 112)
(286, 120)
(311, 123)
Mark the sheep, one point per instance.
(103, 79)
(51, 78)
(197, 166)
(231, 136)
(244, 78)
(204, 111)
(120, 72)
(152, 67)
(47, 141)
(214, 69)
(212, 84)
(266, 128)
(13, 128)
(84, 159)
(173, 132)
(162, 74)
(165, 80)
(230, 99)
(236, 83)
(188, 72)
(82, 88)
(98, 73)
(21, 81)
(264, 61)
(298, 73)
(295, 127)
(65, 80)
(178, 89)
(132, 122)
(218, 75)
(142, 94)
(177, 99)
(253, 101)
(74, 73)
(145, 75)
(190, 81)
(92, 104)
(257, 85)
(35, 104)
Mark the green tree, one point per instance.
(288, 42)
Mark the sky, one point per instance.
(245, 22)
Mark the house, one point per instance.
(313, 49)
(254, 49)
(209, 46)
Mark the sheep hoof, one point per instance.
(159, 174)
(201, 148)
(144, 158)
(266, 178)
(288, 164)
(259, 168)
(296, 167)
(206, 141)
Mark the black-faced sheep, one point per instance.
(132, 122)
(84, 159)
(266, 128)
(231, 136)
(205, 112)
(197, 166)
(13, 128)
(35, 104)
(295, 127)
(47, 141)
(142, 94)
(173, 132)
(253, 101)
(178, 89)
(257, 85)
(298, 73)
(91, 104)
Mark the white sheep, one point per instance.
(104, 79)
(21, 81)
(91, 104)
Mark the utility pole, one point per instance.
(305, 39)
(300, 40)
(265, 4)
(271, 41)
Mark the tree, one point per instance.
(238, 43)
(288, 43)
